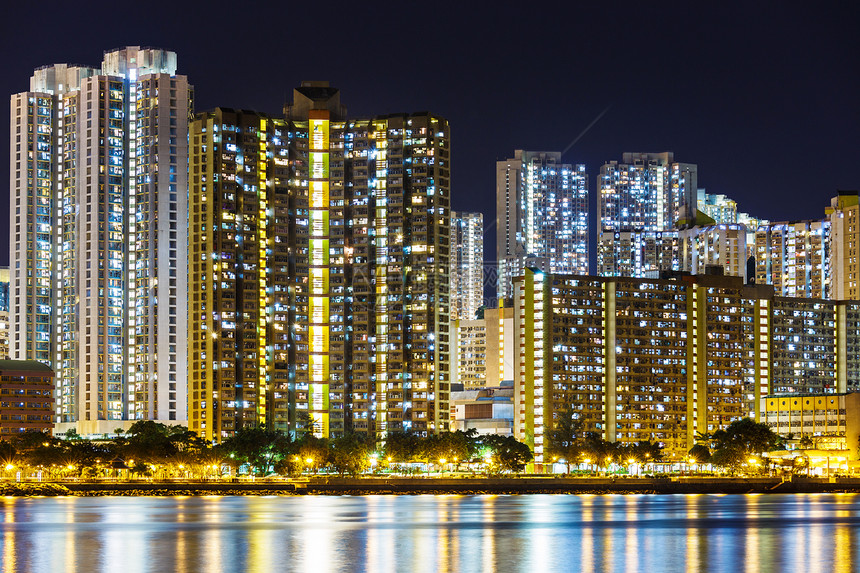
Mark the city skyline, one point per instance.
(728, 93)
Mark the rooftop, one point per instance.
(23, 366)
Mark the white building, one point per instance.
(467, 264)
(642, 203)
(99, 163)
(793, 257)
(723, 244)
(541, 216)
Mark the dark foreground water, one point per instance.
(539, 533)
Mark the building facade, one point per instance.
(467, 264)
(843, 265)
(664, 359)
(483, 349)
(541, 216)
(98, 216)
(320, 270)
(721, 244)
(642, 203)
(793, 257)
(4, 313)
(639, 254)
(487, 411)
(26, 397)
(720, 208)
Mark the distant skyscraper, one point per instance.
(98, 249)
(319, 270)
(723, 245)
(541, 216)
(467, 264)
(793, 257)
(844, 256)
(4, 313)
(718, 207)
(640, 200)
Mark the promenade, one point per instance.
(466, 486)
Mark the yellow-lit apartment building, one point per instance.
(318, 270)
(666, 359)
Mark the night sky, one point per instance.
(764, 98)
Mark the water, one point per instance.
(539, 533)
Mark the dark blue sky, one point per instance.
(763, 96)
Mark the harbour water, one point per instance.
(529, 533)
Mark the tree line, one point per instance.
(731, 448)
(151, 449)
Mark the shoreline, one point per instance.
(441, 486)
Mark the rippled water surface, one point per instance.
(433, 533)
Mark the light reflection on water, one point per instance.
(432, 533)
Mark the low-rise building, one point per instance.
(819, 421)
(26, 397)
(486, 410)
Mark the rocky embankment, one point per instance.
(33, 489)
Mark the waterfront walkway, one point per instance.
(465, 486)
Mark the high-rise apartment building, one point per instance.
(98, 217)
(720, 208)
(724, 210)
(4, 313)
(664, 359)
(722, 244)
(640, 200)
(319, 270)
(541, 216)
(639, 254)
(793, 257)
(467, 264)
(843, 265)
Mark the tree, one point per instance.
(402, 447)
(449, 446)
(599, 450)
(508, 454)
(350, 453)
(258, 447)
(313, 452)
(564, 440)
(147, 441)
(700, 453)
(741, 440)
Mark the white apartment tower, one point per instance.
(793, 257)
(644, 199)
(99, 162)
(467, 264)
(541, 216)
